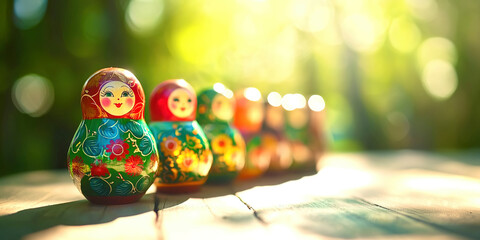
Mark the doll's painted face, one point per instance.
(222, 107)
(117, 98)
(180, 103)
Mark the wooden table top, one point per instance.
(384, 195)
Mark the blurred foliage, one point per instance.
(394, 74)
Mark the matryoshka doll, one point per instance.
(215, 111)
(273, 134)
(248, 118)
(113, 157)
(318, 141)
(296, 128)
(185, 156)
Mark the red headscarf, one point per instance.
(90, 100)
(159, 108)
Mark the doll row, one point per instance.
(217, 136)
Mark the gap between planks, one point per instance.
(159, 210)
(417, 219)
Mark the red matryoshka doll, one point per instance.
(215, 111)
(273, 134)
(185, 156)
(248, 118)
(113, 158)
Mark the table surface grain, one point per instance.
(380, 195)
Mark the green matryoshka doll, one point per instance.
(185, 156)
(215, 112)
(113, 158)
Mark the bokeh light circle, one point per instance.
(316, 103)
(274, 99)
(33, 95)
(143, 16)
(439, 79)
(28, 13)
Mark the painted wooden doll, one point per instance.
(296, 129)
(273, 134)
(248, 118)
(185, 156)
(113, 157)
(215, 111)
(318, 139)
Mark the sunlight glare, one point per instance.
(274, 99)
(220, 88)
(404, 35)
(316, 103)
(436, 48)
(311, 15)
(252, 94)
(142, 16)
(362, 32)
(288, 102)
(439, 79)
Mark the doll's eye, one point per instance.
(125, 94)
(189, 100)
(176, 100)
(108, 94)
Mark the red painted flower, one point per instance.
(99, 169)
(117, 149)
(153, 162)
(134, 166)
(78, 166)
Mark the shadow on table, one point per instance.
(218, 190)
(270, 179)
(77, 213)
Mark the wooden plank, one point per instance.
(445, 201)
(46, 205)
(439, 190)
(307, 212)
(382, 195)
(207, 218)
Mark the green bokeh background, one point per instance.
(364, 57)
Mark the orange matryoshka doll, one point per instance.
(185, 156)
(113, 158)
(248, 118)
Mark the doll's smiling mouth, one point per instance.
(118, 105)
(183, 108)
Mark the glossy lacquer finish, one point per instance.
(185, 156)
(215, 112)
(248, 118)
(113, 158)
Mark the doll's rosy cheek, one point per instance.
(129, 102)
(106, 102)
